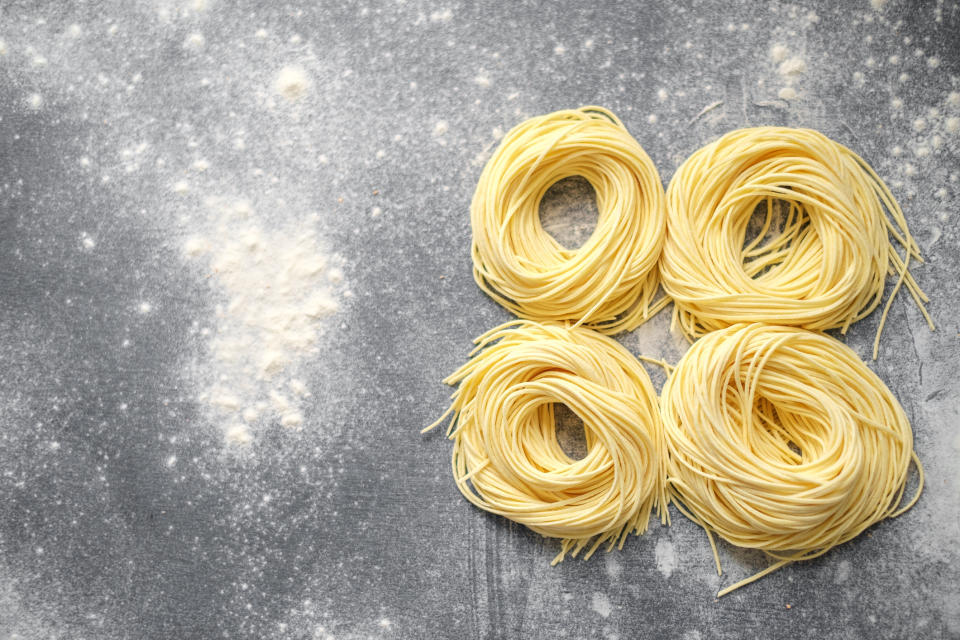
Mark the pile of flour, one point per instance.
(276, 290)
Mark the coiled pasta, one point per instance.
(824, 268)
(506, 457)
(607, 284)
(781, 439)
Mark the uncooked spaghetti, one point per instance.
(781, 439)
(506, 456)
(610, 282)
(823, 268)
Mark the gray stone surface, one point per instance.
(124, 514)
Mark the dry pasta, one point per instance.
(823, 268)
(506, 457)
(781, 439)
(610, 282)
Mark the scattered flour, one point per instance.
(239, 434)
(792, 67)
(275, 288)
(194, 42)
(666, 557)
(787, 93)
(778, 53)
(440, 128)
(441, 15)
(601, 604)
(613, 566)
(843, 572)
(35, 101)
(292, 82)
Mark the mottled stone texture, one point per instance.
(123, 514)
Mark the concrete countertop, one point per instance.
(174, 465)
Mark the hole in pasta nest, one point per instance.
(568, 211)
(777, 441)
(775, 226)
(570, 433)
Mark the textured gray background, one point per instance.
(364, 534)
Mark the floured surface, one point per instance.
(234, 266)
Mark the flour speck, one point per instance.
(787, 93)
(600, 603)
(793, 67)
(441, 15)
(778, 53)
(194, 42)
(292, 82)
(666, 557)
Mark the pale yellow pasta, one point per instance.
(781, 439)
(506, 457)
(824, 268)
(608, 283)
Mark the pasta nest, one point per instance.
(783, 440)
(610, 282)
(821, 256)
(506, 456)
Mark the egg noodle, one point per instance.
(824, 268)
(506, 456)
(782, 439)
(608, 283)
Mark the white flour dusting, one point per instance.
(787, 93)
(792, 67)
(276, 288)
(601, 604)
(666, 557)
(292, 82)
